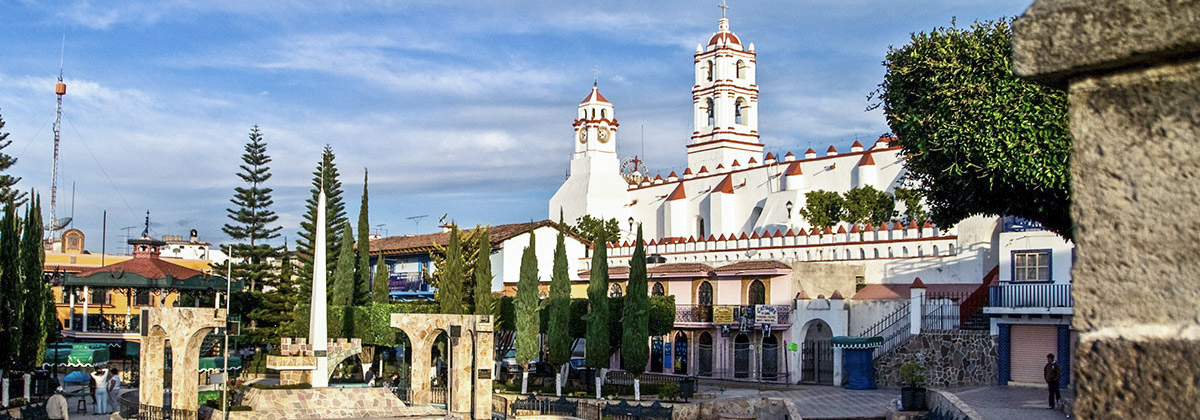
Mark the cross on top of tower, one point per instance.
(595, 76)
(723, 7)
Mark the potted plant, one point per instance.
(912, 394)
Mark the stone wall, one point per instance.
(953, 358)
(1132, 73)
(323, 403)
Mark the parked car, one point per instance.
(508, 365)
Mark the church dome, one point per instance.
(724, 36)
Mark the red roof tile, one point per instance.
(831, 149)
(866, 160)
(794, 169)
(753, 265)
(419, 244)
(698, 268)
(677, 194)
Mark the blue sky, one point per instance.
(455, 107)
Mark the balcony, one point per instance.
(1017, 224)
(409, 285)
(704, 313)
(1033, 298)
(108, 323)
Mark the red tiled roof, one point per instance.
(678, 194)
(418, 244)
(856, 144)
(866, 160)
(594, 95)
(725, 186)
(794, 169)
(831, 149)
(728, 37)
(754, 265)
(151, 268)
(680, 268)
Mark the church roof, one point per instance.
(725, 186)
(595, 96)
(678, 194)
(420, 244)
(866, 160)
(754, 265)
(676, 268)
(794, 169)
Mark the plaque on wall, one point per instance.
(484, 374)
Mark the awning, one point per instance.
(55, 356)
(76, 355)
(77, 377)
(216, 364)
(844, 342)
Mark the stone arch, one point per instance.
(471, 359)
(185, 328)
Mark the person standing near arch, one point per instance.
(1052, 374)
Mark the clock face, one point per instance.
(603, 135)
(583, 135)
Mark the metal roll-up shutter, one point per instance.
(1030, 345)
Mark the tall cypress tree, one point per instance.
(344, 288)
(252, 216)
(449, 289)
(485, 303)
(325, 176)
(598, 350)
(380, 292)
(8, 194)
(10, 275)
(362, 276)
(526, 308)
(635, 316)
(32, 254)
(558, 328)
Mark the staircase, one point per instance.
(895, 328)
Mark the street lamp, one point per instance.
(225, 386)
(789, 210)
(631, 224)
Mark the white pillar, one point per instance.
(916, 299)
(71, 316)
(838, 375)
(4, 391)
(317, 334)
(86, 297)
(27, 378)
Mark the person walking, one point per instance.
(56, 406)
(1052, 374)
(114, 390)
(100, 395)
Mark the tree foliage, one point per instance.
(822, 208)
(324, 177)
(273, 314)
(33, 316)
(8, 183)
(914, 211)
(867, 205)
(450, 286)
(14, 303)
(362, 274)
(251, 217)
(558, 332)
(485, 302)
(526, 305)
(597, 230)
(380, 292)
(469, 247)
(635, 314)
(598, 349)
(344, 289)
(977, 139)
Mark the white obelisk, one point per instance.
(317, 334)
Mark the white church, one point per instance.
(726, 236)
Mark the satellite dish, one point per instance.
(58, 224)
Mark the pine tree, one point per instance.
(324, 177)
(274, 313)
(485, 303)
(32, 255)
(449, 289)
(362, 276)
(558, 328)
(380, 292)
(597, 338)
(11, 277)
(526, 306)
(253, 216)
(8, 194)
(343, 276)
(635, 317)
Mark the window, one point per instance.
(711, 118)
(615, 291)
(758, 293)
(98, 297)
(603, 115)
(142, 298)
(709, 68)
(737, 111)
(741, 69)
(1031, 266)
(704, 294)
(658, 290)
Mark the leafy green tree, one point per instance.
(598, 349)
(662, 315)
(822, 208)
(867, 205)
(252, 216)
(450, 288)
(914, 211)
(558, 335)
(8, 192)
(596, 229)
(32, 255)
(380, 292)
(362, 276)
(485, 303)
(14, 303)
(324, 177)
(343, 276)
(526, 306)
(978, 139)
(635, 321)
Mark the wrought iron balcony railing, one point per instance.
(1037, 295)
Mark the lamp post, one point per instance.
(789, 210)
(225, 386)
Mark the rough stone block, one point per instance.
(1121, 379)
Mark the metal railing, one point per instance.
(438, 395)
(1039, 295)
(407, 282)
(895, 328)
(704, 313)
(151, 412)
(108, 323)
(583, 409)
(942, 311)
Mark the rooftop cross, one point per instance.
(595, 76)
(723, 8)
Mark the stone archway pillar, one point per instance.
(150, 388)
(186, 328)
(472, 358)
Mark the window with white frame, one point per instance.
(1031, 266)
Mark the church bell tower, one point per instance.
(724, 102)
(595, 186)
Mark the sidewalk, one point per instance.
(1012, 402)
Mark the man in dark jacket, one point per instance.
(1052, 374)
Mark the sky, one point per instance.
(456, 108)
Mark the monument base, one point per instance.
(327, 403)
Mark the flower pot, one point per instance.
(912, 398)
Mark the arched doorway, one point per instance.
(817, 354)
(397, 369)
(680, 359)
(704, 352)
(741, 356)
(438, 374)
(757, 294)
(704, 297)
(656, 354)
(658, 289)
(770, 357)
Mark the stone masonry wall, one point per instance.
(954, 358)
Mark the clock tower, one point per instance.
(595, 186)
(724, 102)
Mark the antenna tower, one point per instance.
(60, 89)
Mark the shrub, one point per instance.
(669, 391)
(912, 373)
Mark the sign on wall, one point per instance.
(723, 314)
(765, 314)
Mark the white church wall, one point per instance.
(506, 264)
